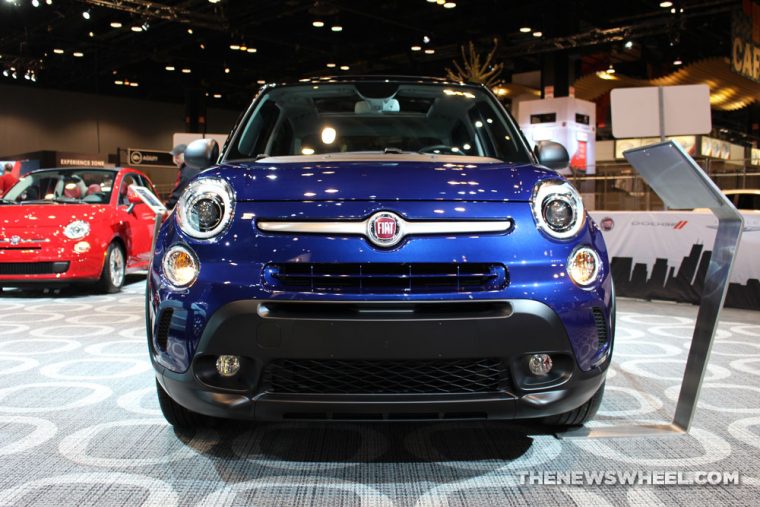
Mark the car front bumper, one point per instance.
(347, 336)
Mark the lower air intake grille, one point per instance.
(454, 376)
(601, 327)
(33, 268)
(162, 330)
(379, 278)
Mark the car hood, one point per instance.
(388, 179)
(29, 217)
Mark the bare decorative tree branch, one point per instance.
(473, 71)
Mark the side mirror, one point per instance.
(132, 196)
(202, 154)
(552, 155)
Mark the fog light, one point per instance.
(583, 266)
(539, 364)
(180, 266)
(227, 366)
(82, 247)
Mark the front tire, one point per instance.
(177, 415)
(114, 269)
(580, 415)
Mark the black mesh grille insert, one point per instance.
(452, 376)
(405, 278)
(601, 326)
(162, 330)
(33, 268)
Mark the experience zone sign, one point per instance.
(745, 41)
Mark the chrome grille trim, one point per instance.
(407, 228)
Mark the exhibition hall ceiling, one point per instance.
(226, 48)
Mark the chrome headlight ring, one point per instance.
(77, 229)
(205, 208)
(558, 193)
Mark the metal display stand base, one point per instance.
(682, 184)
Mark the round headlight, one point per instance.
(558, 209)
(583, 266)
(205, 208)
(180, 266)
(77, 229)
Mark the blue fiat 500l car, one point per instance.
(379, 249)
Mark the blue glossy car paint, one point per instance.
(232, 264)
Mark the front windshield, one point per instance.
(63, 185)
(377, 117)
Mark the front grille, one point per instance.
(601, 327)
(445, 376)
(33, 268)
(378, 278)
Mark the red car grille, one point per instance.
(33, 268)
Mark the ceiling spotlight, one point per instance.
(35, 3)
(116, 24)
(331, 65)
(677, 61)
(118, 83)
(243, 47)
(170, 68)
(58, 51)
(426, 39)
(429, 51)
(336, 28)
(202, 45)
(525, 29)
(14, 75)
(416, 48)
(145, 26)
(136, 28)
(665, 5)
(214, 1)
(86, 14)
(344, 67)
(134, 85)
(317, 24)
(217, 95)
(628, 44)
(186, 71)
(251, 50)
(6, 73)
(611, 69)
(234, 47)
(49, 2)
(226, 70)
(440, 2)
(449, 5)
(27, 76)
(537, 34)
(78, 54)
(189, 31)
(91, 34)
(34, 77)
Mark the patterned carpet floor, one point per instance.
(80, 425)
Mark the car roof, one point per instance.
(109, 169)
(376, 78)
(745, 191)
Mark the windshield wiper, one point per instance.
(69, 200)
(391, 149)
(8, 201)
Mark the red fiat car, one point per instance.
(60, 226)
